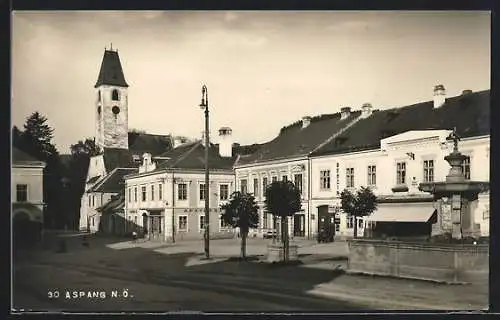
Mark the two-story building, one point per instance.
(394, 150)
(287, 158)
(166, 198)
(27, 196)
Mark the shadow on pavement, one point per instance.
(85, 267)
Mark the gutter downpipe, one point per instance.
(309, 192)
(173, 207)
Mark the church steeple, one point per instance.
(111, 72)
(111, 103)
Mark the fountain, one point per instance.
(443, 262)
(455, 217)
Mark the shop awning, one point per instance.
(403, 212)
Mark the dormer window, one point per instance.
(115, 95)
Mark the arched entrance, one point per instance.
(24, 231)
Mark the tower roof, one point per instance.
(111, 72)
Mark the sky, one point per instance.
(263, 70)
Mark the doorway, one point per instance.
(326, 225)
(299, 225)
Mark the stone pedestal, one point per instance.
(276, 252)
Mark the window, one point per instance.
(160, 192)
(224, 192)
(223, 225)
(183, 220)
(202, 222)
(202, 192)
(265, 219)
(115, 96)
(324, 179)
(274, 179)
(144, 194)
(243, 186)
(135, 220)
(99, 95)
(428, 170)
(264, 185)
(466, 168)
(22, 192)
(486, 212)
(297, 180)
(152, 192)
(129, 195)
(90, 200)
(337, 227)
(349, 177)
(284, 178)
(360, 223)
(92, 221)
(182, 191)
(372, 175)
(401, 173)
(135, 194)
(93, 200)
(350, 222)
(255, 187)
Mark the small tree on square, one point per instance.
(283, 200)
(241, 212)
(360, 204)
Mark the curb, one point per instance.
(388, 304)
(368, 274)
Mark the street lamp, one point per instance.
(204, 106)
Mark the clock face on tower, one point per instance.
(115, 110)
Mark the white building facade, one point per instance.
(403, 160)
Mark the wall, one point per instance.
(422, 145)
(32, 176)
(278, 169)
(448, 263)
(114, 129)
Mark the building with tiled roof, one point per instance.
(287, 157)
(167, 196)
(394, 150)
(26, 195)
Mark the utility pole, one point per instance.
(204, 105)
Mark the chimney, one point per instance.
(439, 95)
(366, 110)
(344, 113)
(466, 92)
(225, 142)
(306, 121)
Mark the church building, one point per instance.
(122, 150)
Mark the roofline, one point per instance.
(106, 177)
(373, 148)
(176, 170)
(274, 161)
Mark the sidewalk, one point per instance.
(400, 294)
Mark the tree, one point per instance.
(37, 137)
(87, 148)
(241, 212)
(283, 200)
(361, 204)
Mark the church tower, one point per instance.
(111, 107)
